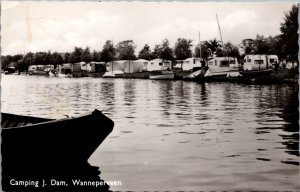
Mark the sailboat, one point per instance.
(222, 66)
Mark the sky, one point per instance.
(60, 26)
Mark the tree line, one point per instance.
(285, 45)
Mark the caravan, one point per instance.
(259, 62)
(190, 64)
(158, 64)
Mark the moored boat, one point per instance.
(27, 140)
(162, 75)
(256, 73)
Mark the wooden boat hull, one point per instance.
(256, 73)
(38, 141)
(162, 76)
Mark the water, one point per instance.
(175, 135)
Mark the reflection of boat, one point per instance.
(256, 73)
(161, 75)
(39, 141)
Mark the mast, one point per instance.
(222, 38)
(112, 60)
(220, 31)
(200, 46)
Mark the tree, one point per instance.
(24, 63)
(56, 59)
(5, 61)
(86, 55)
(108, 52)
(96, 56)
(289, 34)
(67, 58)
(205, 51)
(125, 50)
(163, 51)
(261, 46)
(182, 48)
(156, 52)
(213, 45)
(231, 50)
(47, 58)
(145, 53)
(248, 46)
(75, 56)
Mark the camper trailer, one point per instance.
(259, 62)
(142, 62)
(189, 64)
(94, 66)
(158, 64)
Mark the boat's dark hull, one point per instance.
(67, 141)
(256, 73)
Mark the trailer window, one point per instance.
(210, 63)
(272, 60)
(258, 62)
(160, 64)
(224, 63)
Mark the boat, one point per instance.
(256, 73)
(162, 75)
(256, 66)
(39, 141)
(222, 67)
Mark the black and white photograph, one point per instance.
(149, 96)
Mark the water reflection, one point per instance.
(208, 136)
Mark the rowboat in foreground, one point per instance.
(32, 140)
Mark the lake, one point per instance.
(176, 135)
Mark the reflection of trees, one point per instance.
(129, 92)
(281, 101)
(291, 116)
(107, 93)
(167, 96)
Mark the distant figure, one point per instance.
(276, 66)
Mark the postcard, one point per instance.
(149, 96)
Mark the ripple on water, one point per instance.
(208, 136)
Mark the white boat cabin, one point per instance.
(222, 66)
(259, 62)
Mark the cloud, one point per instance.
(59, 26)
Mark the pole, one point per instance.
(222, 38)
(112, 61)
(220, 31)
(200, 46)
